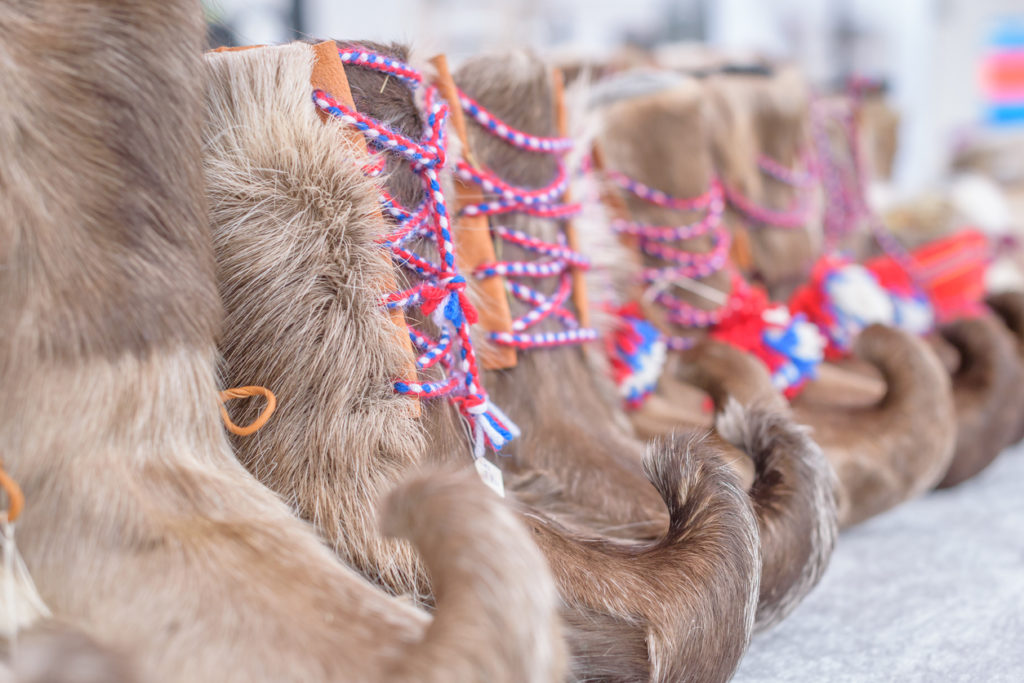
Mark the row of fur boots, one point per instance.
(563, 389)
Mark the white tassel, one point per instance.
(22, 606)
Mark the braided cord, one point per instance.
(795, 218)
(517, 138)
(654, 241)
(846, 196)
(440, 292)
(555, 259)
(801, 177)
(843, 208)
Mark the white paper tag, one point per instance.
(491, 475)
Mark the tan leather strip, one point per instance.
(579, 280)
(472, 234)
(741, 252)
(329, 76)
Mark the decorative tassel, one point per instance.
(842, 298)
(789, 345)
(21, 606)
(637, 354)
(800, 344)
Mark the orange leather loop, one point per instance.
(245, 392)
(15, 498)
(231, 48)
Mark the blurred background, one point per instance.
(954, 69)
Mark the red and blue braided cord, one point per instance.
(559, 260)
(654, 240)
(441, 290)
(802, 177)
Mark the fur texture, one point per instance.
(986, 392)
(627, 623)
(582, 443)
(775, 109)
(570, 429)
(786, 508)
(983, 385)
(792, 484)
(294, 222)
(52, 652)
(895, 449)
(1009, 306)
(141, 527)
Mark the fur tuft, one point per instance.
(794, 497)
(499, 584)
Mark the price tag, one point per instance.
(491, 475)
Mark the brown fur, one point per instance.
(880, 124)
(986, 393)
(983, 387)
(794, 500)
(627, 624)
(920, 397)
(887, 452)
(141, 527)
(632, 141)
(776, 108)
(624, 624)
(800, 492)
(1009, 306)
(52, 652)
(293, 227)
(582, 443)
(798, 524)
(986, 384)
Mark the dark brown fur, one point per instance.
(1009, 306)
(518, 91)
(887, 452)
(571, 427)
(623, 605)
(584, 461)
(775, 108)
(582, 472)
(986, 392)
